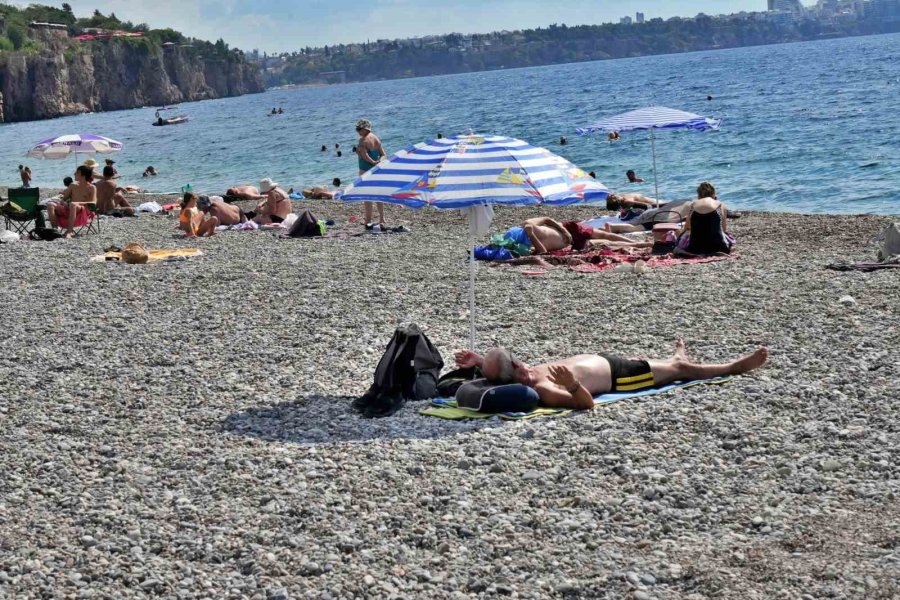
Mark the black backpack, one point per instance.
(306, 225)
(409, 369)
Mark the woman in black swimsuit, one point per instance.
(706, 228)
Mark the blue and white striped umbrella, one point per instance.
(654, 117)
(650, 119)
(463, 171)
(466, 171)
(62, 146)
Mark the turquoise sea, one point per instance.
(807, 127)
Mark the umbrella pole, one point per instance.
(655, 174)
(472, 279)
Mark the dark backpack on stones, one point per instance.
(408, 370)
(306, 225)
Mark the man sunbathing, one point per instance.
(573, 382)
(543, 235)
(227, 214)
(244, 192)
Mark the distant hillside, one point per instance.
(438, 55)
(54, 64)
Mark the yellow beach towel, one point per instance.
(155, 255)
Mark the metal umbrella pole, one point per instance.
(472, 278)
(655, 174)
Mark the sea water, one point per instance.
(806, 127)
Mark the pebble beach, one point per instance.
(183, 429)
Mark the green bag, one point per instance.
(11, 209)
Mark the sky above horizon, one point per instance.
(288, 25)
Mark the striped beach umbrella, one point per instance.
(651, 119)
(468, 171)
(61, 147)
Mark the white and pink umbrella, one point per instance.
(61, 147)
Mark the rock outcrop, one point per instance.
(67, 78)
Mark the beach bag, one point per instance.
(889, 245)
(13, 210)
(408, 370)
(482, 396)
(44, 234)
(135, 254)
(306, 225)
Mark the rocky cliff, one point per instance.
(66, 77)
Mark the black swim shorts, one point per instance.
(629, 375)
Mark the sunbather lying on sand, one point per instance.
(244, 192)
(617, 201)
(573, 382)
(544, 235)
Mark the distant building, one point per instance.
(625, 21)
(50, 26)
(793, 6)
(785, 18)
(639, 17)
(885, 10)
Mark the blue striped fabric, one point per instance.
(655, 117)
(462, 171)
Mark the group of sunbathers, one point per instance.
(702, 230)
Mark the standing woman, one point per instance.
(370, 152)
(25, 174)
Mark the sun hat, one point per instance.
(93, 164)
(203, 202)
(364, 124)
(266, 185)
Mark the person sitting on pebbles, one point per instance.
(192, 221)
(227, 214)
(573, 382)
(110, 196)
(543, 235)
(276, 204)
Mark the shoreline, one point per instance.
(598, 210)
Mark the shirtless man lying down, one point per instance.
(543, 235)
(573, 382)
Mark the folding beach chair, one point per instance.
(30, 217)
(87, 221)
(93, 223)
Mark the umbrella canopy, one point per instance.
(470, 170)
(61, 147)
(654, 117)
(465, 172)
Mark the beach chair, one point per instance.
(93, 224)
(27, 199)
(87, 221)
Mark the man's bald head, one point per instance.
(499, 366)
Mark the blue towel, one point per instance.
(610, 398)
(296, 196)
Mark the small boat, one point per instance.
(171, 121)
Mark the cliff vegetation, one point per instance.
(54, 64)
